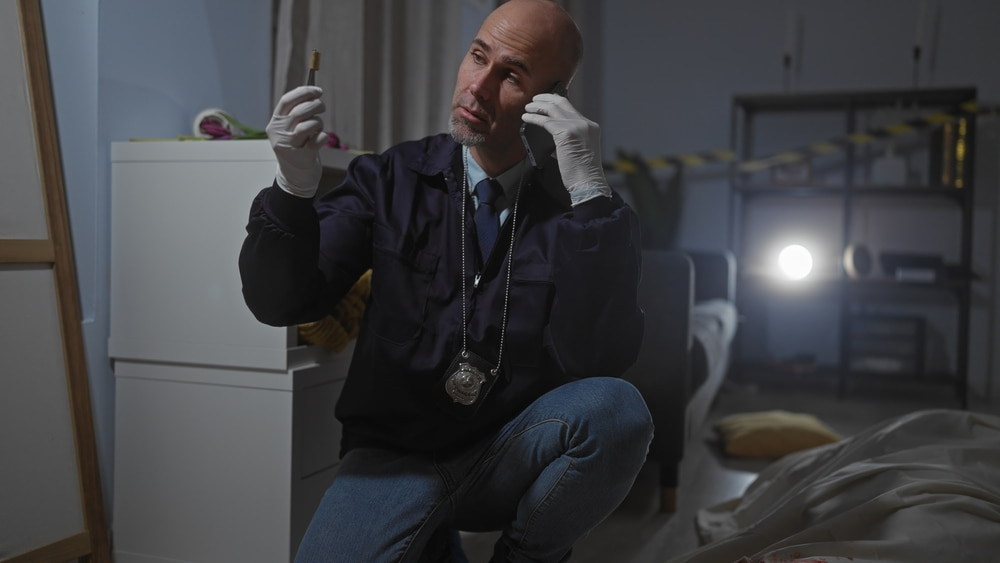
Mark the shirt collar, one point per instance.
(509, 178)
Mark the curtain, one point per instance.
(387, 67)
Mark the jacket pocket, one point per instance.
(531, 293)
(401, 282)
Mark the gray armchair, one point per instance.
(689, 302)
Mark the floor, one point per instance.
(638, 533)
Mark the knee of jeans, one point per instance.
(622, 403)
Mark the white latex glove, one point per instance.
(296, 134)
(578, 145)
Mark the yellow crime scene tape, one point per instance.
(821, 148)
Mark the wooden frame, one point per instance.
(47, 415)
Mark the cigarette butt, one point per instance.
(313, 67)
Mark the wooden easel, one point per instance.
(50, 494)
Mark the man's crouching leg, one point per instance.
(558, 469)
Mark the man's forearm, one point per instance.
(282, 284)
(596, 325)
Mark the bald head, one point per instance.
(549, 26)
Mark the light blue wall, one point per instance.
(163, 62)
(123, 69)
(71, 30)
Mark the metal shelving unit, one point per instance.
(848, 167)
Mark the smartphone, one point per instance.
(537, 141)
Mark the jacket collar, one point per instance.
(442, 152)
(443, 156)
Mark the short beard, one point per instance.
(463, 134)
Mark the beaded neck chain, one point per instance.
(510, 258)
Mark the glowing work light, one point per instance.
(795, 261)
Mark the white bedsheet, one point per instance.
(920, 487)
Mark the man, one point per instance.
(483, 393)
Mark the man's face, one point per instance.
(507, 64)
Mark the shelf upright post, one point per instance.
(740, 139)
(967, 140)
(843, 363)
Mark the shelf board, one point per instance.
(876, 283)
(812, 190)
(856, 99)
(786, 376)
(908, 190)
(831, 372)
(879, 284)
(934, 378)
(888, 290)
(828, 378)
(798, 190)
(771, 284)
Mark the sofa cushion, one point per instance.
(772, 434)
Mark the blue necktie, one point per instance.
(487, 218)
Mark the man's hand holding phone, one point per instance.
(537, 141)
(577, 145)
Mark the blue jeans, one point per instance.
(545, 479)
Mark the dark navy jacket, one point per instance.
(572, 308)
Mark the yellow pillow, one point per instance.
(337, 329)
(772, 434)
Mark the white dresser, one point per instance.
(225, 438)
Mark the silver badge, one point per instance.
(463, 386)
